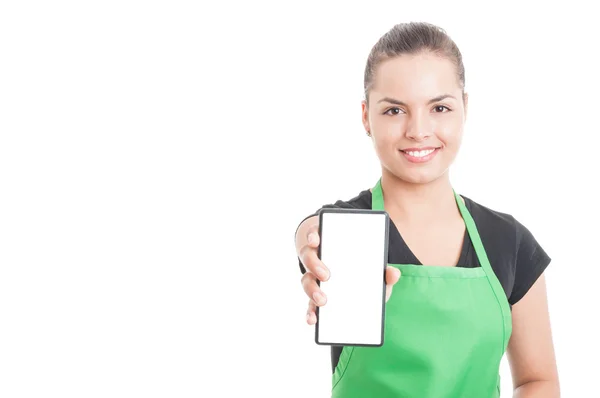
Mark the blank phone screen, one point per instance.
(354, 249)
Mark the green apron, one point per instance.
(446, 330)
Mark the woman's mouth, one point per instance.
(419, 155)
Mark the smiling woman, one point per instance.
(415, 89)
(467, 281)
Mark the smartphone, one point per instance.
(354, 247)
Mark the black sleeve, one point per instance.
(531, 262)
(337, 205)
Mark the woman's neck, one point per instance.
(418, 202)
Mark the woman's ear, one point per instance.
(365, 117)
(466, 103)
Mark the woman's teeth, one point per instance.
(420, 154)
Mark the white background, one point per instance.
(156, 158)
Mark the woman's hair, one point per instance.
(413, 38)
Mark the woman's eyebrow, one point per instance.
(431, 101)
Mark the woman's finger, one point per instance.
(312, 236)
(312, 263)
(312, 289)
(311, 314)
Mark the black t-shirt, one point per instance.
(515, 256)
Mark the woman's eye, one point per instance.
(440, 108)
(392, 111)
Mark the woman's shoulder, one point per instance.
(499, 221)
(516, 255)
(484, 214)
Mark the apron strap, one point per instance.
(377, 202)
(487, 267)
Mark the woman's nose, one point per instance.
(418, 128)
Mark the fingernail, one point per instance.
(307, 317)
(311, 238)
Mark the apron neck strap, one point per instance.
(377, 200)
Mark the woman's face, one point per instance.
(416, 116)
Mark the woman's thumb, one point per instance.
(392, 275)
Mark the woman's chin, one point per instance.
(420, 177)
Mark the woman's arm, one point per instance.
(530, 350)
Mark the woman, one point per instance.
(472, 284)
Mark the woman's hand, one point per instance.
(307, 243)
